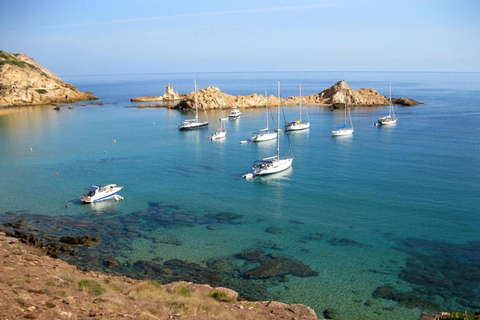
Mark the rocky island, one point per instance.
(24, 82)
(334, 96)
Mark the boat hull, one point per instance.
(218, 135)
(387, 122)
(274, 166)
(259, 137)
(297, 126)
(341, 132)
(105, 193)
(192, 126)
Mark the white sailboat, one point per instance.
(222, 131)
(273, 164)
(298, 124)
(390, 119)
(264, 134)
(191, 124)
(343, 130)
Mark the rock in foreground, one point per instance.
(25, 82)
(35, 286)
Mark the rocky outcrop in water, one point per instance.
(334, 96)
(25, 82)
(168, 95)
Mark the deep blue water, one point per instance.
(390, 207)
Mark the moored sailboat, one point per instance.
(343, 130)
(264, 134)
(273, 164)
(390, 118)
(298, 124)
(191, 124)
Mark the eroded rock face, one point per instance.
(25, 82)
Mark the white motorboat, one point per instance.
(191, 124)
(390, 118)
(97, 193)
(275, 163)
(235, 113)
(298, 124)
(343, 130)
(264, 134)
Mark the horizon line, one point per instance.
(285, 71)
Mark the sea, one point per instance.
(383, 224)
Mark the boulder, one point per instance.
(281, 267)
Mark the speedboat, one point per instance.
(98, 193)
(234, 113)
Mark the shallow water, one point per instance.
(390, 206)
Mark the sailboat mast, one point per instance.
(300, 103)
(278, 121)
(391, 106)
(266, 107)
(196, 102)
(345, 107)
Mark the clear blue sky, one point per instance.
(129, 36)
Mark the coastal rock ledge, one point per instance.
(334, 96)
(24, 82)
(36, 286)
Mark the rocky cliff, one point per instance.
(335, 96)
(25, 82)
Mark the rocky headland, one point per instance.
(24, 82)
(334, 96)
(36, 286)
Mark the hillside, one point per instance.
(36, 286)
(25, 82)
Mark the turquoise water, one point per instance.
(390, 207)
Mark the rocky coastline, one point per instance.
(47, 274)
(23, 82)
(214, 98)
(35, 285)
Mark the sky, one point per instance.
(91, 37)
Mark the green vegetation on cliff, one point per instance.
(6, 58)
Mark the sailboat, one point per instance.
(298, 124)
(191, 124)
(390, 119)
(264, 134)
(343, 130)
(222, 131)
(273, 164)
